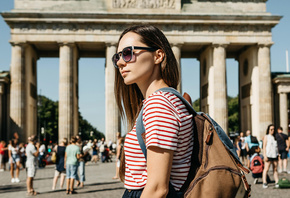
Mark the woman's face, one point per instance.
(141, 66)
(271, 130)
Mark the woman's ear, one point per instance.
(159, 56)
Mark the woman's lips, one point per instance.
(124, 73)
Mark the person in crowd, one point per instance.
(59, 165)
(32, 151)
(72, 154)
(95, 148)
(102, 150)
(145, 63)
(81, 164)
(22, 154)
(256, 163)
(14, 160)
(237, 145)
(283, 149)
(118, 156)
(42, 150)
(243, 148)
(270, 150)
(250, 141)
(2, 155)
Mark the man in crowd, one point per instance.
(32, 151)
(283, 148)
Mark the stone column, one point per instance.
(17, 91)
(66, 91)
(265, 88)
(112, 114)
(176, 48)
(220, 86)
(283, 111)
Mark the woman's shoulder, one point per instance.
(162, 98)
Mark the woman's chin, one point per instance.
(128, 82)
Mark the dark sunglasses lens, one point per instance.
(127, 54)
(116, 58)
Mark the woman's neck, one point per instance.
(149, 89)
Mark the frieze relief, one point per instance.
(244, 1)
(145, 4)
(115, 28)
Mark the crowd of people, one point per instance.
(71, 157)
(275, 150)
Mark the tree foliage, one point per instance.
(47, 117)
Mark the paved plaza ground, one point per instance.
(99, 183)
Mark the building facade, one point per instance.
(209, 30)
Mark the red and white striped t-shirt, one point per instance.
(168, 125)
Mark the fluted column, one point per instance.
(112, 114)
(17, 91)
(283, 111)
(220, 86)
(177, 53)
(265, 87)
(66, 91)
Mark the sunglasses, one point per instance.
(127, 54)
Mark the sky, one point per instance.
(92, 70)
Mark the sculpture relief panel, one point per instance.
(145, 4)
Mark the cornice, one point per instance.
(117, 18)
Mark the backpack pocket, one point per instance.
(211, 184)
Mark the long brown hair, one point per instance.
(129, 97)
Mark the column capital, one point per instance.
(224, 45)
(179, 45)
(67, 43)
(18, 43)
(111, 44)
(268, 44)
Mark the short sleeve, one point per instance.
(33, 149)
(160, 122)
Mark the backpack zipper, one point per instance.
(207, 172)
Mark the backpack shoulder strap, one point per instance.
(140, 129)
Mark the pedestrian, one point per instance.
(22, 154)
(256, 163)
(118, 156)
(102, 150)
(32, 151)
(41, 157)
(95, 148)
(72, 154)
(81, 164)
(2, 155)
(14, 160)
(270, 150)
(243, 154)
(145, 63)
(283, 148)
(59, 165)
(250, 141)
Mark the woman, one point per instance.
(95, 151)
(145, 63)
(72, 154)
(81, 164)
(118, 156)
(14, 159)
(59, 165)
(270, 150)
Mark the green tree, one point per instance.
(233, 113)
(47, 117)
